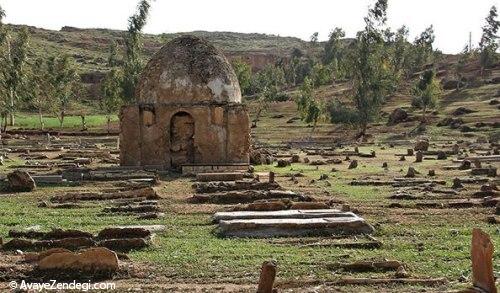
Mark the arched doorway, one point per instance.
(181, 139)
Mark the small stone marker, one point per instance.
(271, 177)
(267, 276)
(419, 157)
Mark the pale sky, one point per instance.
(452, 19)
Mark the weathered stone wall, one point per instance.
(221, 134)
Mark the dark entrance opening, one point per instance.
(181, 139)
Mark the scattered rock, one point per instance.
(323, 177)
(465, 165)
(353, 164)
(441, 155)
(457, 184)
(421, 145)
(295, 158)
(462, 111)
(401, 272)
(20, 181)
(402, 158)
(432, 173)
(283, 163)
(398, 115)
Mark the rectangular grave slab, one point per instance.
(227, 176)
(265, 228)
(283, 214)
(48, 179)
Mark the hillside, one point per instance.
(89, 46)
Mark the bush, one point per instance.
(341, 113)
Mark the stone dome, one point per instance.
(188, 70)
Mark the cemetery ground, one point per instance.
(429, 232)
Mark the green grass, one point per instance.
(189, 251)
(32, 121)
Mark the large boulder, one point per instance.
(451, 84)
(20, 181)
(397, 116)
(462, 111)
(98, 259)
(421, 145)
(260, 157)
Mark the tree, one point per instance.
(41, 89)
(423, 48)
(464, 58)
(111, 95)
(244, 73)
(321, 75)
(111, 90)
(489, 40)
(426, 92)
(371, 76)
(13, 69)
(3, 93)
(314, 38)
(307, 105)
(64, 81)
(113, 59)
(132, 62)
(400, 60)
(334, 53)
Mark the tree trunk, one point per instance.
(257, 117)
(4, 122)
(109, 124)
(40, 119)
(61, 118)
(84, 126)
(11, 111)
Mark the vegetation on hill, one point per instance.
(370, 69)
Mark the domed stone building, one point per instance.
(188, 111)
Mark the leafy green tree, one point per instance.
(65, 81)
(14, 73)
(488, 45)
(401, 61)
(314, 38)
(244, 73)
(132, 62)
(333, 47)
(308, 107)
(464, 57)
(111, 89)
(321, 75)
(271, 78)
(426, 92)
(3, 93)
(111, 95)
(371, 75)
(113, 59)
(423, 48)
(41, 91)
